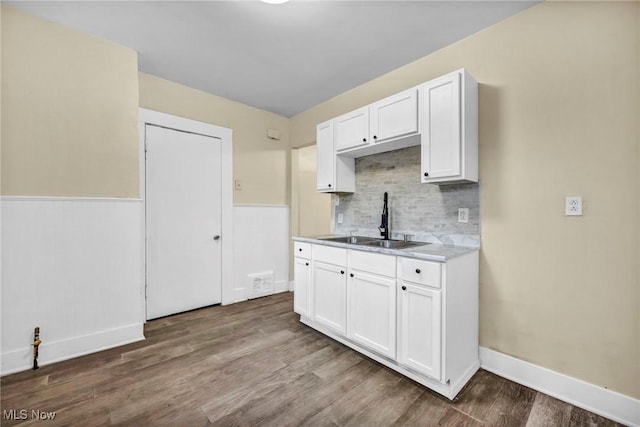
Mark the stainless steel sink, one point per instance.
(375, 242)
(394, 244)
(355, 240)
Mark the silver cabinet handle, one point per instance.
(216, 237)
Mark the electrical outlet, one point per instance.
(573, 206)
(337, 201)
(340, 218)
(463, 215)
(237, 184)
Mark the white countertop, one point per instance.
(430, 252)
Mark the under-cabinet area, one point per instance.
(414, 310)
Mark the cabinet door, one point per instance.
(352, 129)
(330, 296)
(302, 286)
(394, 117)
(372, 311)
(420, 329)
(440, 110)
(326, 157)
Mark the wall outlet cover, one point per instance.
(340, 218)
(573, 206)
(463, 215)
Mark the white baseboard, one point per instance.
(242, 294)
(281, 286)
(609, 404)
(22, 360)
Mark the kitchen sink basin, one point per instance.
(394, 244)
(375, 242)
(355, 240)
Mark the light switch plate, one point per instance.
(573, 206)
(340, 218)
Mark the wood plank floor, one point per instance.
(253, 363)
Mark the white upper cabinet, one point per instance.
(440, 115)
(352, 129)
(394, 117)
(449, 113)
(325, 157)
(333, 173)
(360, 132)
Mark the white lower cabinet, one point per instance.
(302, 278)
(372, 311)
(415, 316)
(329, 287)
(371, 298)
(302, 286)
(420, 329)
(330, 296)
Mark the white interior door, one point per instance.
(183, 217)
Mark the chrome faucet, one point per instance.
(384, 225)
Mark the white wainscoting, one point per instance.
(616, 406)
(73, 267)
(261, 243)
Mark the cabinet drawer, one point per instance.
(335, 256)
(384, 265)
(423, 272)
(302, 249)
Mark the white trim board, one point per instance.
(609, 404)
(149, 117)
(260, 206)
(67, 199)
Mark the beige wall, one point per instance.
(69, 111)
(262, 165)
(559, 115)
(311, 211)
(315, 208)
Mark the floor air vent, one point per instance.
(261, 284)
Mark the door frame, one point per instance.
(150, 117)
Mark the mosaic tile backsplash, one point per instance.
(429, 212)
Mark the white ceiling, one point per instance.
(281, 58)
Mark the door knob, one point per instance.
(404, 288)
(216, 237)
